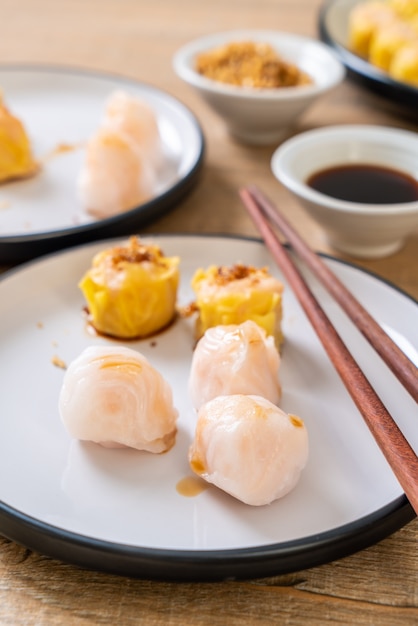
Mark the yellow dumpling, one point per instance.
(404, 65)
(405, 8)
(232, 295)
(385, 32)
(365, 20)
(16, 159)
(388, 41)
(131, 290)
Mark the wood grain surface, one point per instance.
(137, 38)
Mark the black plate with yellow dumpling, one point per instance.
(377, 40)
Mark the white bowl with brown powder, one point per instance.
(258, 81)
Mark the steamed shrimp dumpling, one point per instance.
(233, 359)
(114, 177)
(113, 396)
(249, 448)
(134, 118)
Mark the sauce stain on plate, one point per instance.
(191, 486)
(62, 148)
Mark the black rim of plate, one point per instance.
(362, 71)
(20, 248)
(199, 565)
(211, 565)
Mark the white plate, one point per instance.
(63, 107)
(119, 510)
(333, 29)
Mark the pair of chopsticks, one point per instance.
(399, 454)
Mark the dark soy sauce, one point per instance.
(365, 183)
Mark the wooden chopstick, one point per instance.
(399, 454)
(397, 361)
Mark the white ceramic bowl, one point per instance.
(262, 116)
(362, 230)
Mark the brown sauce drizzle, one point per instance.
(191, 486)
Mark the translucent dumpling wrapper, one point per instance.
(232, 360)
(122, 159)
(114, 397)
(16, 159)
(133, 117)
(131, 290)
(249, 448)
(115, 177)
(232, 295)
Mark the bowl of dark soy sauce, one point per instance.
(360, 183)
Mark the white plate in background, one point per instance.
(63, 107)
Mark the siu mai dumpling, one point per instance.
(364, 21)
(404, 64)
(249, 448)
(234, 359)
(131, 290)
(388, 41)
(113, 396)
(16, 159)
(231, 295)
(406, 9)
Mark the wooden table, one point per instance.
(137, 38)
